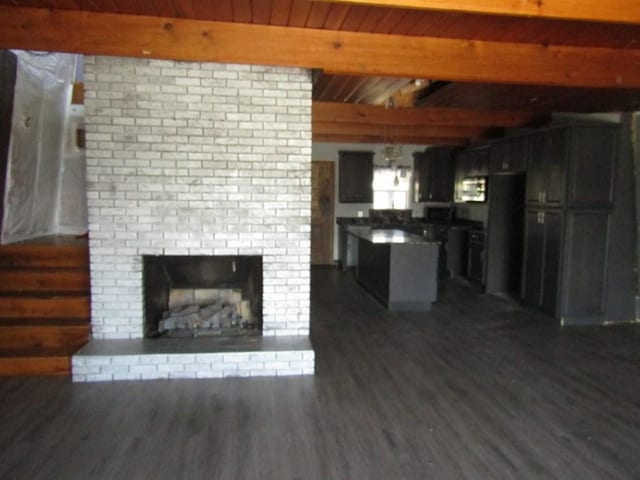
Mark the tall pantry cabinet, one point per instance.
(569, 200)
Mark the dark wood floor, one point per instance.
(476, 389)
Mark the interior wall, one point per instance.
(621, 281)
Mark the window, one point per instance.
(391, 188)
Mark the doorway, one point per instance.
(505, 234)
(322, 211)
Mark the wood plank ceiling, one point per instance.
(479, 80)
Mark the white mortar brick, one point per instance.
(193, 157)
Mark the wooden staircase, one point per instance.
(44, 305)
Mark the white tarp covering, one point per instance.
(39, 169)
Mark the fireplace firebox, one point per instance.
(195, 296)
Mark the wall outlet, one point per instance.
(360, 214)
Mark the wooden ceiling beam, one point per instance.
(405, 140)
(340, 113)
(391, 131)
(350, 53)
(609, 11)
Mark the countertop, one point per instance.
(387, 235)
(413, 222)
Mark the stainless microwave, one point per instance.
(474, 189)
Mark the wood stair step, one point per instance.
(50, 280)
(20, 255)
(67, 306)
(35, 365)
(65, 338)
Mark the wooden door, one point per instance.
(322, 205)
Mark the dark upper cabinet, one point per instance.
(508, 156)
(591, 167)
(573, 166)
(433, 175)
(355, 177)
(473, 162)
(547, 165)
(565, 262)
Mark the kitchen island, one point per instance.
(399, 269)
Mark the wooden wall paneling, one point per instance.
(163, 8)
(389, 21)
(362, 18)
(371, 19)
(386, 88)
(134, 8)
(365, 54)
(281, 10)
(379, 139)
(392, 131)
(336, 17)
(261, 11)
(367, 89)
(299, 14)
(318, 15)
(407, 23)
(241, 11)
(373, 114)
(354, 18)
(349, 88)
(613, 11)
(220, 10)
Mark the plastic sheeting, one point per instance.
(42, 177)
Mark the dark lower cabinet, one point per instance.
(475, 257)
(566, 262)
(584, 269)
(541, 262)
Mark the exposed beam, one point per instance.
(341, 138)
(391, 131)
(405, 116)
(336, 52)
(610, 11)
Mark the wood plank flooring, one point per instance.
(476, 389)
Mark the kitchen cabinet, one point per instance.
(546, 174)
(569, 204)
(472, 162)
(398, 269)
(475, 257)
(433, 175)
(508, 156)
(574, 165)
(541, 261)
(591, 168)
(355, 177)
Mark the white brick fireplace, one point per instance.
(196, 159)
